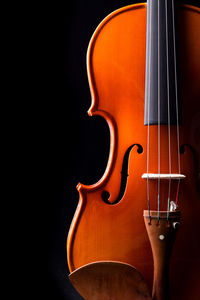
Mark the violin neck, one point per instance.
(162, 101)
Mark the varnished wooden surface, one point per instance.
(116, 70)
(110, 280)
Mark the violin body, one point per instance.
(108, 224)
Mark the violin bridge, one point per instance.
(162, 176)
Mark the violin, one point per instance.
(135, 233)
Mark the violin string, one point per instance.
(168, 104)
(148, 99)
(158, 111)
(176, 91)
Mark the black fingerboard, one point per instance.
(162, 100)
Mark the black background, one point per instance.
(76, 146)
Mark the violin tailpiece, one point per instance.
(161, 231)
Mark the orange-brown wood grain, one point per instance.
(116, 72)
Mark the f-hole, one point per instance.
(124, 176)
